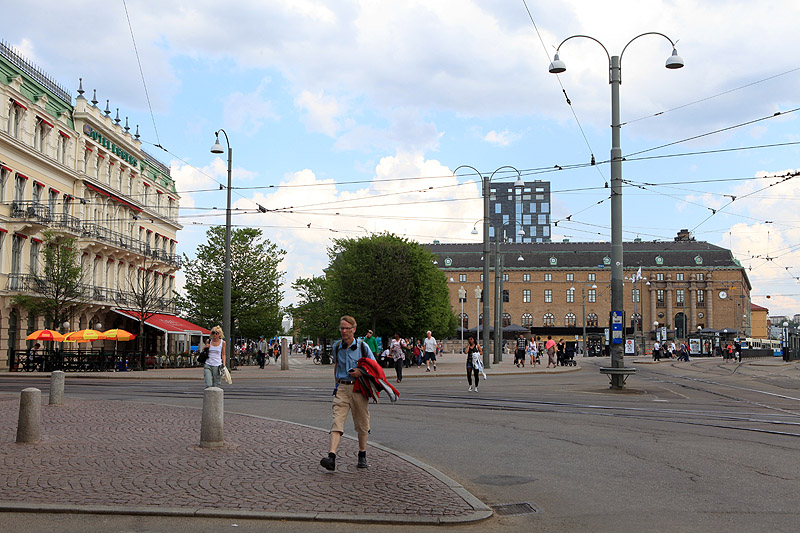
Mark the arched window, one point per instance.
(506, 320)
(591, 320)
(549, 320)
(464, 319)
(527, 320)
(569, 320)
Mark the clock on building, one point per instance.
(723, 294)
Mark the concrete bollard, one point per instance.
(28, 427)
(284, 354)
(211, 434)
(57, 388)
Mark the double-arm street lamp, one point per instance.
(615, 79)
(583, 314)
(486, 180)
(226, 280)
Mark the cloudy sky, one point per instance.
(349, 117)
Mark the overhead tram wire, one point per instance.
(141, 72)
(566, 97)
(714, 132)
(661, 113)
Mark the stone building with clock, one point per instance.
(685, 287)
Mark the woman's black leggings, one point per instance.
(398, 366)
(477, 373)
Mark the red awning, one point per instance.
(167, 323)
(112, 196)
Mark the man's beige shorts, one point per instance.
(346, 400)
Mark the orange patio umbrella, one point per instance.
(85, 335)
(119, 335)
(45, 335)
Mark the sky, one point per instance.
(350, 117)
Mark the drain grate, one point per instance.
(514, 509)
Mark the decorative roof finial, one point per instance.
(80, 87)
(127, 129)
(107, 111)
(117, 120)
(137, 132)
(94, 97)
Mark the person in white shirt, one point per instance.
(429, 344)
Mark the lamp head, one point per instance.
(474, 230)
(674, 61)
(519, 182)
(217, 148)
(558, 66)
(520, 258)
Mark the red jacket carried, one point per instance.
(373, 381)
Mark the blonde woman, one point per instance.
(216, 359)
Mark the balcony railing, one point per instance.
(31, 283)
(41, 213)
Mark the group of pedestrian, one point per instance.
(678, 351)
(732, 352)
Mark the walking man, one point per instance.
(262, 350)
(430, 351)
(371, 341)
(519, 354)
(346, 353)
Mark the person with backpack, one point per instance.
(346, 353)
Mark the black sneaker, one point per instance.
(329, 463)
(362, 461)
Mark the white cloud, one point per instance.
(322, 111)
(503, 138)
(247, 112)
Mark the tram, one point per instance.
(773, 345)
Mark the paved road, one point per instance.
(700, 446)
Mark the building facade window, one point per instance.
(4, 173)
(570, 295)
(505, 296)
(33, 266)
(679, 276)
(570, 277)
(19, 188)
(526, 296)
(591, 320)
(464, 319)
(701, 276)
(548, 296)
(548, 277)
(701, 297)
(660, 276)
(506, 320)
(549, 320)
(680, 296)
(592, 276)
(462, 277)
(660, 296)
(570, 320)
(505, 276)
(525, 277)
(591, 295)
(527, 320)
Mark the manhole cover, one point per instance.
(514, 509)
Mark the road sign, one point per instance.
(616, 327)
(630, 347)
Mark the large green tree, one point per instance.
(312, 316)
(255, 283)
(55, 290)
(389, 283)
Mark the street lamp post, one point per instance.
(615, 79)
(486, 181)
(583, 314)
(462, 297)
(478, 292)
(226, 280)
(785, 341)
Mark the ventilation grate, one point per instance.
(515, 509)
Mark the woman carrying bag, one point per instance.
(214, 365)
(474, 362)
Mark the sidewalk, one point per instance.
(113, 457)
(449, 365)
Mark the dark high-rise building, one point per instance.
(522, 214)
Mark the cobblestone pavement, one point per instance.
(123, 457)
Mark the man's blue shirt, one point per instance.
(347, 358)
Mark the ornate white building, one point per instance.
(76, 169)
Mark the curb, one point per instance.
(480, 511)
